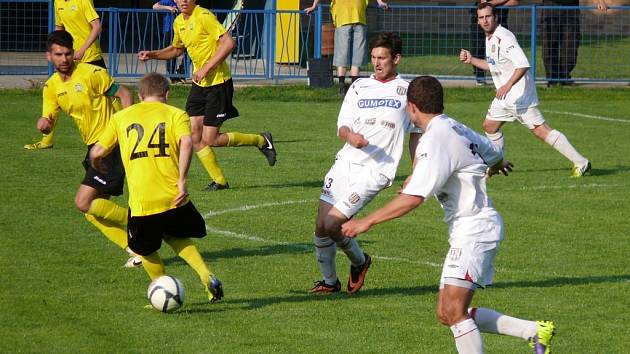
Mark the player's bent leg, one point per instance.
(325, 252)
(113, 231)
(108, 210)
(453, 302)
(153, 265)
(185, 248)
(559, 141)
(207, 157)
(493, 131)
(84, 197)
(491, 321)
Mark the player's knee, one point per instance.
(447, 316)
(490, 127)
(82, 204)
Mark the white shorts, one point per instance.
(472, 251)
(531, 117)
(349, 186)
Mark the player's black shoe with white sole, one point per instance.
(269, 150)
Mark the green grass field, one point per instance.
(565, 256)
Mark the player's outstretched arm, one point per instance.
(312, 8)
(167, 53)
(397, 207)
(466, 57)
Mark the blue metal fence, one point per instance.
(275, 44)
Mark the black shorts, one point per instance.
(110, 182)
(214, 103)
(100, 62)
(145, 233)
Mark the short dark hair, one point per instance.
(389, 40)
(426, 93)
(60, 38)
(153, 84)
(484, 5)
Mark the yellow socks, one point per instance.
(209, 161)
(186, 249)
(113, 231)
(241, 139)
(108, 210)
(153, 265)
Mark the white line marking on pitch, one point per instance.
(250, 207)
(588, 116)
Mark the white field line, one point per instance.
(582, 115)
(250, 207)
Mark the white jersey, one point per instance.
(376, 110)
(504, 56)
(451, 162)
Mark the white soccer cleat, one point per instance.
(579, 171)
(133, 262)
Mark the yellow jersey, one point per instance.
(346, 12)
(199, 34)
(75, 17)
(84, 97)
(149, 134)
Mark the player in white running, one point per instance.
(373, 123)
(516, 98)
(451, 163)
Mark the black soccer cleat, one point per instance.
(214, 186)
(269, 150)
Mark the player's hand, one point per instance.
(382, 4)
(602, 6)
(310, 10)
(45, 124)
(182, 195)
(172, 9)
(504, 167)
(78, 55)
(199, 75)
(465, 56)
(353, 228)
(503, 91)
(357, 140)
(143, 55)
(97, 164)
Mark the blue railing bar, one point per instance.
(534, 42)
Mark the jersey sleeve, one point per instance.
(88, 11)
(177, 40)
(182, 125)
(102, 83)
(50, 106)
(109, 138)
(346, 113)
(214, 27)
(432, 170)
(489, 151)
(516, 54)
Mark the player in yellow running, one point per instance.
(156, 148)
(209, 102)
(83, 92)
(80, 19)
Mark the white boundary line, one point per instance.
(588, 116)
(573, 186)
(250, 207)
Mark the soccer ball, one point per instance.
(166, 293)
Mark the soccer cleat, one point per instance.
(579, 171)
(322, 288)
(133, 262)
(214, 289)
(268, 150)
(38, 146)
(357, 275)
(214, 186)
(541, 342)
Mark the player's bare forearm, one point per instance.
(225, 47)
(185, 155)
(94, 33)
(397, 207)
(167, 53)
(352, 138)
(97, 153)
(517, 76)
(480, 63)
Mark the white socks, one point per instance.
(559, 141)
(497, 138)
(490, 321)
(351, 248)
(467, 337)
(325, 251)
